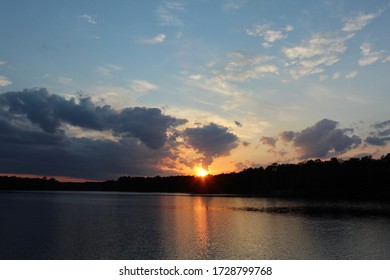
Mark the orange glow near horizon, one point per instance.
(58, 178)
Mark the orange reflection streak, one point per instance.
(201, 225)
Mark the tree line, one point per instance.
(356, 178)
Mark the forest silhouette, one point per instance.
(356, 178)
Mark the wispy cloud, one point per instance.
(175, 5)
(351, 75)
(369, 56)
(196, 77)
(269, 35)
(140, 86)
(312, 56)
(167, 16)
(242, 67)
(228, 78)
(4, 81)
(387, 59)
(233, 4)
(359, 21)
(323, 50)
(318, 45)
(159, 38)
(65, 80)
(337, 75)
(120, 97)
(89, 18)
(107, 70)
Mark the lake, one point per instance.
(105, 225)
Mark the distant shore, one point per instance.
(357, 178)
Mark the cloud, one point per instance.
(234, 4)
(287, 136)
(88, 18)
(321, 140)
(358, 22)
(267, 69)
(269, 35)
(381, 134)
(167, 16)
(320, 51)
(223, 78)
(211, 140)
(196, 77)
(2, 62)
(108, 69)
(242, 67)
(270, 141)
(351, 75)
(381, 125)
(4, 81)
(377, 141)
(369, 56)
(140, 86)
(336, 75)
(118, 97)
(175, 5)
(323, 78)
(41, 153)
(289, 28)
(386, 59)
(245, 143)
(160, 38)
(50, 112)
(238, 124)
(65, 80)
(36, 137)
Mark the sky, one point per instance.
(95, 90)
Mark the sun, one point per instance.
(201, 172)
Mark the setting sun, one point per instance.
(201, 172)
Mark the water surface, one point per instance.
(102, 225)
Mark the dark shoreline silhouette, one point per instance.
(354, 179)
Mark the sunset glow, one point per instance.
(201, 172)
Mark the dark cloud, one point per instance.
(80, 158)
(245, 143)
(212, 140)
(271, 141)
(321, 140)
(381, 135)
(34, 138)
(377, 141)
(50, 112)
(385, 132)
(381, 125)
(147, 124)
(287, 136)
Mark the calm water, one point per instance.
(89, 225)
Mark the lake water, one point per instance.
(101, 225)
